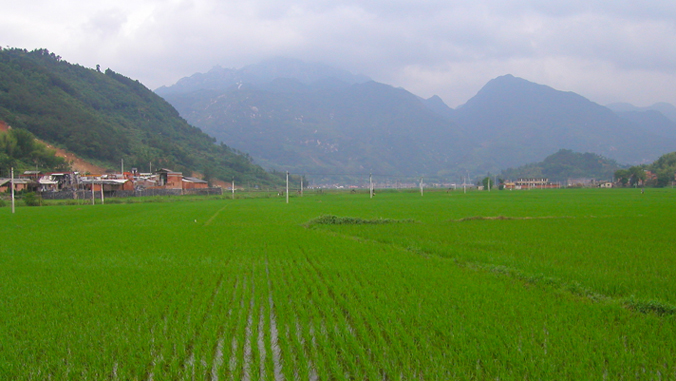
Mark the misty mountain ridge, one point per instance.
(664, 108)
(519, 120)
(291, 122)
(348, 130)
(311, 74)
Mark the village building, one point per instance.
(194, 183)
(21, 184)
(52, 184)
(32, 175)
(529, 183)
(168, 179)
(5, 184)
(532, 182)
(47, 184)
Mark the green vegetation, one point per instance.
(541, 284)
(19, 149)
(566, 164)
(663, 171)
(334, 220)
(106, 117)
(31, 199)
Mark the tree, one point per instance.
(636, 175)
(487, 181)
(665, 169)
(622, 176)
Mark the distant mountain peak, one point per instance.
(508, 94)
(436, 104)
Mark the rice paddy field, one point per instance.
(522, 285)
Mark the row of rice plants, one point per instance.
(259, 296)
(616, 255)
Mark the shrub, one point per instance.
(31, 199)
(335, 220)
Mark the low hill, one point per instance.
(566, 164)
(106, 117)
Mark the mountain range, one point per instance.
(311, 119)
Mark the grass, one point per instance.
(563, 284)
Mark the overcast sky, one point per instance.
(607, 51)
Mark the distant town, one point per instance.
(73, 184)
(70, 184)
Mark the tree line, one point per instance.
(660, 173)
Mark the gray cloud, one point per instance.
(619, 51)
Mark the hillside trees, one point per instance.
(106, 117)
(632, 176)
(18, 148)
(665, 169)
(565, 164)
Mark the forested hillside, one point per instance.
(20, 150)
(107, 117)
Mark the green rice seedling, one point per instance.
(543, 293)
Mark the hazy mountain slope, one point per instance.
(348, 129)
(665, 109)
(108, 117)
(651, 122)
(313, 122)
(512, 121)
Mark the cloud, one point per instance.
(619, 51)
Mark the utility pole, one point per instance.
(371, 185)
(287, 187)
(12, 185)
(301, 186)
(421, 187)
(233, 188)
